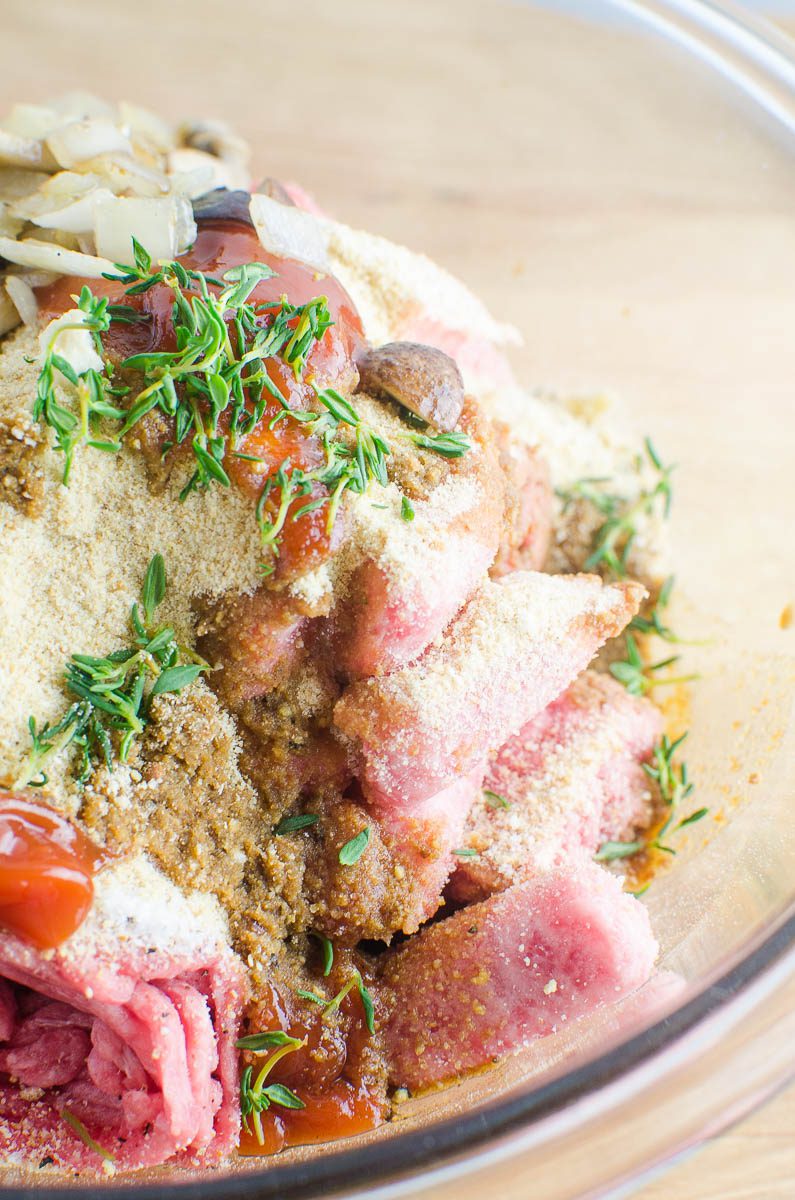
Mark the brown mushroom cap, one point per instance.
(421, 378)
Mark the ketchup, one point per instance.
(46, 869)
(221, 244)
(331, 1074)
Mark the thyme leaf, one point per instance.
(353, 850)
(112, 694)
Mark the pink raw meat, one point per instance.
(398, 881)
(528, 511)
(130, 1027)
(498, 975)
(514, 647)
(573, 779)
(413, 577)
(254, 640)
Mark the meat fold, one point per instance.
(498, 975)
(514, 647)
(409, 578)
(527, 524)
(128, 1028)
(571, 778)
(398, 882)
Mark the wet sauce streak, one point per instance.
(330, 1073)
(46, 870)
(222, 244)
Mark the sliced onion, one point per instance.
(215, 172)
(165, 227)
(140, 122)
(21, 152)
(47, 256)
(10, 225)
(16, 182)
(80, 141)
(9, 317)
(31, 121)
(217, 139)
(123, 174)
(76, 345)
(80, 106)
(77, 217)
(24, 300)
(290, 232)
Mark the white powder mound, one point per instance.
(70, 576)
(136, 909)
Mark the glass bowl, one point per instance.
(617, 180)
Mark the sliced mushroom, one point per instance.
(223, 205)
(421, 378)
(275, 190)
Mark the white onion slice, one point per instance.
(80, 141)
(9, 317)
(19, 151)
(47, 256)
(24, 300)
(164, 227)
(123, 174)
(147, 125)
(10, 225)
(80, 106)
(289, 231)
(194, 172)
(16, 182)
(76, 345)
(31, 121)
(77, 217)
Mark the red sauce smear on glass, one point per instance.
(330, 1074)
(46, 869)
(220, 245)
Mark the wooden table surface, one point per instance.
(162, 52)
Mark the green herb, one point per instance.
(694, 816)
(406, 509)
(292, 824)
(614, 537)
(328, 953)
(638, 676)
(449, 445)
(112, 695)
(256, 1097)
(467, 852)
(332, 1006)
(214, 387)
(673, 783)
(313, 996)
(266, 1040)
(495, 800)
(654, 623)
(610, 851)
(353, 850)
(85, 1137)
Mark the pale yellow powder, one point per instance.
(69, 577)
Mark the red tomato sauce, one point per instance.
(220, 245)
(46, 872)
(330, 1074)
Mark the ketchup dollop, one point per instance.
(46, 870)
(332, 1074)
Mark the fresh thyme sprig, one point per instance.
(614, 537)
(331, 1006)
(215, 386)
(674, 786)
(256, 1097)
(638, 676)
(112, 695)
